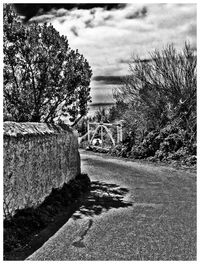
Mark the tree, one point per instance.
(101, 115)
(162, 89)
(43, 77)
(116, 111)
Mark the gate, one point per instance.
(104, 128)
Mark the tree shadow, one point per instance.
(101, 198)
(98, 199)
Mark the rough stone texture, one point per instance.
(37, 158)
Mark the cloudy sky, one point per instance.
(109, 36)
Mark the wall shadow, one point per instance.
(98, 198)
(101, 198)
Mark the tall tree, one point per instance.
(43, 77)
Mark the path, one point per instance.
(134, 212)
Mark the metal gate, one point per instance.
(104, 128)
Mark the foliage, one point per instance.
(116, 111)
(43, 77)
(159, 106)
(81, 126)
(101, 115)
(163, 88)
(168, 144)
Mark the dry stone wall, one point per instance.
(37, 158)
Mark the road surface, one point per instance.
(135, 211)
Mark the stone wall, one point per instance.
(37, 158)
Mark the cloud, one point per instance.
(31, 10)
(109, 79)
(109, 36)
(137, 14)
(126, 61)
(134, 60)
(88, 23)
(105, 34)
(74, 31)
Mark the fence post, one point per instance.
(88, 129)
(121, 137)
(117, 133)
(101, 136)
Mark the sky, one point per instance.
(109, 36)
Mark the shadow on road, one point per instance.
(102, 197)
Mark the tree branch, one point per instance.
(77, 120)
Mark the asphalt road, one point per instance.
(135, 211)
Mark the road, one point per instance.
(135, 211)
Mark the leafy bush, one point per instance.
(168, 144)
(158, 105)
